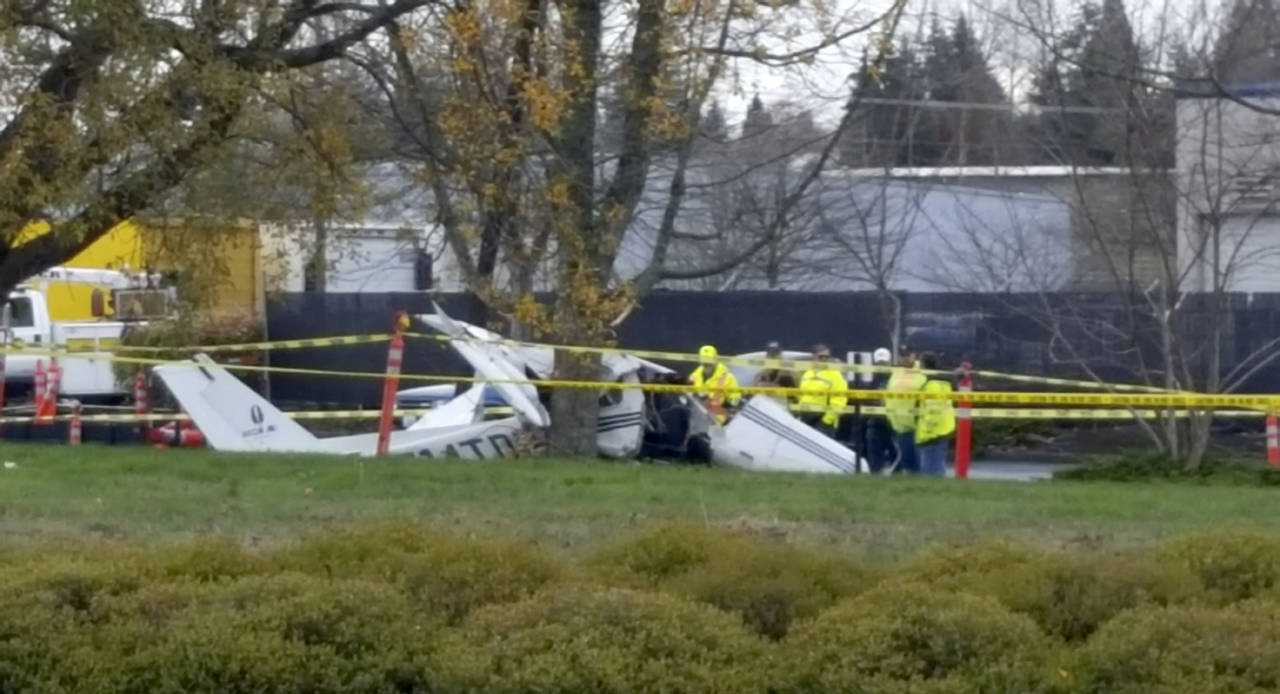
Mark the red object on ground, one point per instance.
(964, 424)
(185, 434)
(395, 357)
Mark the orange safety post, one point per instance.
(1273, 440)
(395, 357)
(47, 405)
(964, 424)
(38, 387)
(74, 432)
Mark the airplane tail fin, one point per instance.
(229, 413)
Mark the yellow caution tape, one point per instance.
(83, 345)
(1002, 413)
(1056, 414)
(1172, 400)
(794, 364)
(335, 341)
(87, 344)
(178, 417)
(976, 413)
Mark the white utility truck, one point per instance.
(30, 325)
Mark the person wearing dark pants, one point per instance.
(875, 437)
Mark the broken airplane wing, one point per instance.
(233, 417)
(763, 435)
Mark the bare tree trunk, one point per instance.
(891, 310)
(574, 411)
(1198, 424)
(320, 256)
(1170, 378)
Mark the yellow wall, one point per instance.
(70, 300)
(224, 259)
(117, 248)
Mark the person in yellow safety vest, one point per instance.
(902, 413)
(823, 394)
(715, 385)
(936, 423)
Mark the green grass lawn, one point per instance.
(146, 495)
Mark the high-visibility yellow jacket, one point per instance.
(823, 389)
(902, 412)
(937, 417)
(719, 389)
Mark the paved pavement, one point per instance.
(1013, 471)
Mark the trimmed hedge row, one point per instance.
(402, 608)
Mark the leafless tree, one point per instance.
(1165, 238)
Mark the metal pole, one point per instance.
(964, 424)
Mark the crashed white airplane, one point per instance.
(762, 435)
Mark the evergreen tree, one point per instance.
(957, 70)
(888, 133)
(758, 119)
(1100, 68)
(1248, 48)
(714, 127)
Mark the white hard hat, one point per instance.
(881, 356)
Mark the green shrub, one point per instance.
(1231, 565)
(593, 639)
(353, 617)
(39, 641)
(768, 584)
(448, 575)
(1069, 595)
(216, 654)
(915, 638)
(657, 554)
(1182, 649)
(964, 566)
(207, 559)
(1144, 466)
(771, 585)
(285, 632)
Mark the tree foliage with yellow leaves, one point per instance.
(536, 125)
(107, 106)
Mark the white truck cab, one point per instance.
(30, 326)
